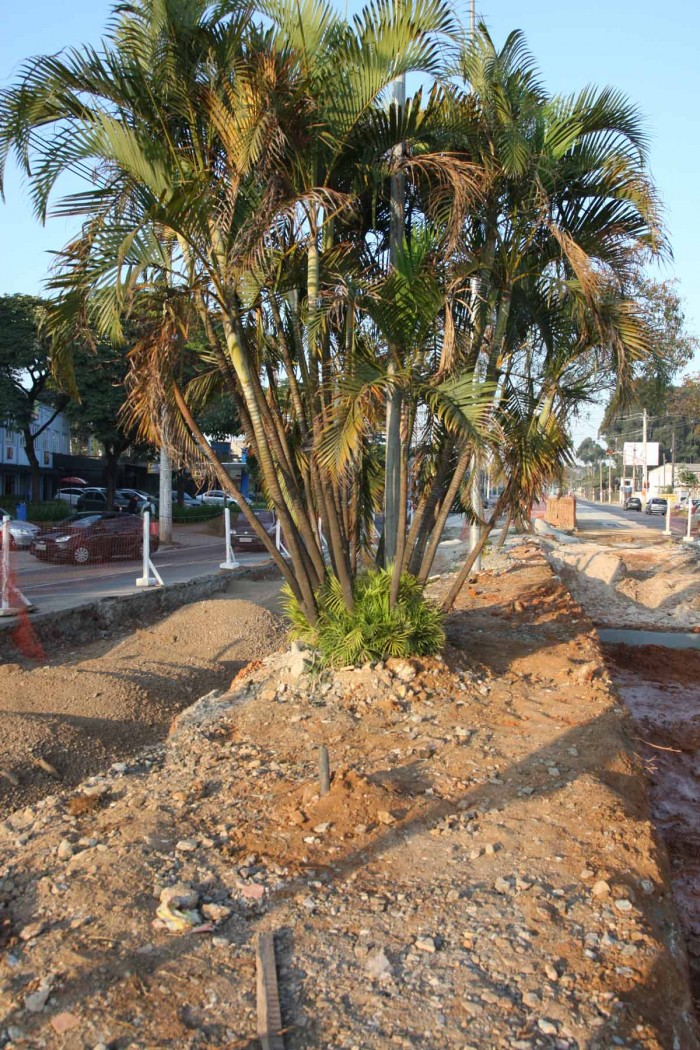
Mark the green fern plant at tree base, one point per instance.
(372, 630)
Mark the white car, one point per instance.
(187, 500)
(21, 532)
(69, 495)
(217, 498)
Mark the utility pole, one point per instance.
(610, 481)
(645, 476)
(600, 487)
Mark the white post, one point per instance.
(688, 536)
(667, 530)
(151, 577)
(278, 539)
(230, 562)
(9, 594)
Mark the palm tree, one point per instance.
(215, 148)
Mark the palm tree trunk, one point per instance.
(229, 485)
(471, 558)
(452, 490)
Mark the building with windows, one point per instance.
(15, 472)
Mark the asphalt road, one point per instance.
(603, 517)
(52, 587)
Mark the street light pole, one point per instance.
(645, 476)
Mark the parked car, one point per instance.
(656, 505)
(141, 496)
(96, 499)
(21, 532)
(70, 495)
(242, 535)
(217, 497)
(187, 500)
(92, 537)
(633, 503)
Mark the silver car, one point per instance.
(21, 532)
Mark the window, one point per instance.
(9, 453)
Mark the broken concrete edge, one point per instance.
(86, 623)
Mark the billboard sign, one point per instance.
(633, 454)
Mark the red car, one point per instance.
(92, 537)
(242, 535)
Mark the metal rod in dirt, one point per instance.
(324, 769)
(268, 1000)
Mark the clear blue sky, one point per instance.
(647, 50)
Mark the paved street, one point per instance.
(53, 587)
(603, 517)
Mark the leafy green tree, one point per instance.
(97, 381)
(25, 375)
(589, 451)
(653, 387)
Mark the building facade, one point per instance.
(15, 471)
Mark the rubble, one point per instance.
(482, 872)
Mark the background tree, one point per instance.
(25, 375)
(96, 410)
(672, 347)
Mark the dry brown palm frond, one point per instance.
(454, 185)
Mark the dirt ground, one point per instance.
(633, 583)
(482, 874)
(87, 708)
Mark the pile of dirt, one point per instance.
(482, 872)
(655, 586)
(78, 715)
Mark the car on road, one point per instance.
(656, 505)
(70, 495)
(83, 538)
(633, 503)
(242, 535)
(96, 499)
(216, 498)
(187, 500)
(142, 497)
(21, 532)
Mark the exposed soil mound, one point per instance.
(619, 586)
(82, 714)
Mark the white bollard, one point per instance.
(8, 594)
(230, 562)
(667, 530)
(278, 539)
(150, 577)
(688, 538)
